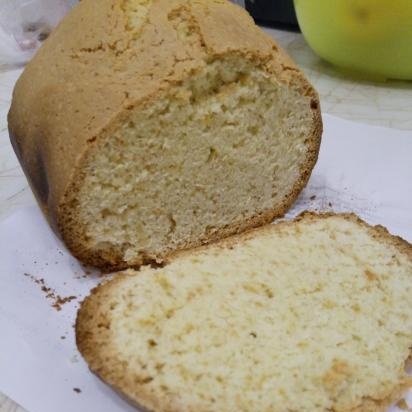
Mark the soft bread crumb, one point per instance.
(227, 145)
(283, 318)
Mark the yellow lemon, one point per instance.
(370, 36)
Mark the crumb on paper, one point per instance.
(330, 204)
(58, 301)
(62, 337)
(313, 197)
(74, 359)
(77, 390)
(84, 276)
(403, 405)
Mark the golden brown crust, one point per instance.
(102, 357)
(95, 68)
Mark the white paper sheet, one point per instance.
(361, 168)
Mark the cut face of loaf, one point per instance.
(199, 127)
(312, 316)
(225, 151)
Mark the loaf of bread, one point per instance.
(312, 315)
(149, 126)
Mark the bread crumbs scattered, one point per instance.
(313, 197)
(50, 293)
(77, 390)
(62, 337)
(59, 301)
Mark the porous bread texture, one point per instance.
(149, 126)
(199, 160)
(311, 316)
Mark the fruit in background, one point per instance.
(373, 37)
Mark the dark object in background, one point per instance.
(279, 13)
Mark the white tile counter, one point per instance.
(386, 104)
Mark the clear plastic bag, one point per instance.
(25, 24)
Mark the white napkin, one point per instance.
(361, 168)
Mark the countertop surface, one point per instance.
(386, 104)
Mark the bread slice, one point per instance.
(312, 315)
(149, 126)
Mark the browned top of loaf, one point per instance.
(96, 66)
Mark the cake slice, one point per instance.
(312, 315)
(149, 126)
